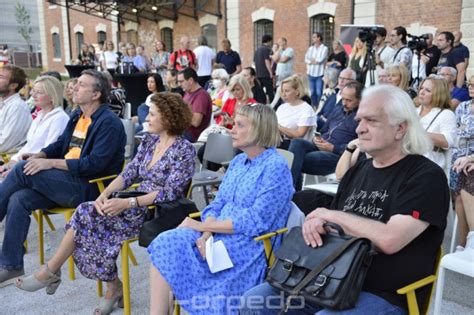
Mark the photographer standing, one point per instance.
(403, 54)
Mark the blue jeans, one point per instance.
(310, 160)
(316, 87)
(266, 300)
(20, 195)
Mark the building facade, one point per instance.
(245, 21)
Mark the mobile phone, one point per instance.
(317, 134)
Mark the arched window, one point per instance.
(167, 38)
(56, 46)
(79, 42)
(262, 27)
(101, 37)
(210, 31)
(324, 24)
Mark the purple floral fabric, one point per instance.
(98, 239)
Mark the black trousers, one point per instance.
(267, 83)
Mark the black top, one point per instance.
(230, 60)
(259, 95)
(262, 54)
(433, 53)
(341, 57)
(413, 186)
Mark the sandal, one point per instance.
(31, 283)
(107, 305)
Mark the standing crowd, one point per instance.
(398, 131)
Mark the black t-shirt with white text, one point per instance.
(413, 186)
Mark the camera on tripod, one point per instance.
(368, 35)
(418, 43)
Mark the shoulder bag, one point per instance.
(330, 276)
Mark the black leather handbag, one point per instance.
(168, 215)
(330, 276)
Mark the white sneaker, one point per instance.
(470, 240)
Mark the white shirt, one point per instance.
(293, 117)
(414, 70)
(321, 55)
(285, 69)
(15, 120)
(44, 130)
(204, 56)
(111, 59)
(444, 124)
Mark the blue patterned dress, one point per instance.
(465, 126)
(255, 195)
(99, 238)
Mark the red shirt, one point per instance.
(181, 59)
(229, 108)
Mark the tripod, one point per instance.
(417, 80)
(369, 65)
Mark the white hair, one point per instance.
(400, 109)
(221, 74)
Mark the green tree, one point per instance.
(24, 25)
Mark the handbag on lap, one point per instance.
(330, 276)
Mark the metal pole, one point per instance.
(69, 29)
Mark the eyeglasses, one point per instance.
(470, 86)
(181, 81)
(347, 79)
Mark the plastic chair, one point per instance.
(287, 155)
(130, 134)
(127, 111)
(218, 150)
(461, 262)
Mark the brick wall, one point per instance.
(442, 14)
(291, 21)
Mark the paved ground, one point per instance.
(79, 296)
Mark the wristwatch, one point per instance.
(350, 150)
(133, 202)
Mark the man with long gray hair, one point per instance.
(384, 199)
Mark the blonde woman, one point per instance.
(296, 118)
(437, 119)
(47, 94)
(109, 59)
(399, 76)
(357, 58)
(68, 93)
(241, 95)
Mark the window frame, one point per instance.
(56, 38)
(166, 34)
(328, 35)
(261, 27)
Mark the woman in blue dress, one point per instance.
(163, 165)
(253, 199)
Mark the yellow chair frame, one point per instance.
(41, 214)
(409, 290)
(126, 253)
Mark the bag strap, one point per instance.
(398, 51)
(307, 279)
(432, 121)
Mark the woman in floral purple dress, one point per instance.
(163, 165)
